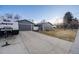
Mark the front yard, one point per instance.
(66, 34)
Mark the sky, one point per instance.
(51, 13)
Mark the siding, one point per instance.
(25, 26)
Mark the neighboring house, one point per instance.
(46, 26)
(25, 25)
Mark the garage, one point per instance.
(25, 25)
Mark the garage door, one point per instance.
(25, 27)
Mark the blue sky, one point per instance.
(40, 12)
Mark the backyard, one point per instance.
(65, 34)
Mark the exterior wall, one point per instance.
(25, 26)
(45, 26)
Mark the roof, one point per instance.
(50, 23)
(45, 23)
(26, 21)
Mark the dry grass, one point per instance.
(62, 34)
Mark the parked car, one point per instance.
(35, 28)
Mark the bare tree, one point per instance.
(8, 16)
(17, 17)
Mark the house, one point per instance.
(46, 26)
(25, 25)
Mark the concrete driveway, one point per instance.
(29, 42)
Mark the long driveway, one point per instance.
(29, 42)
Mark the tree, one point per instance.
(8, 16)
(16, 17)
(68, 17)
(43, 21)
(75, 23)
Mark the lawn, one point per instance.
(66, 34)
